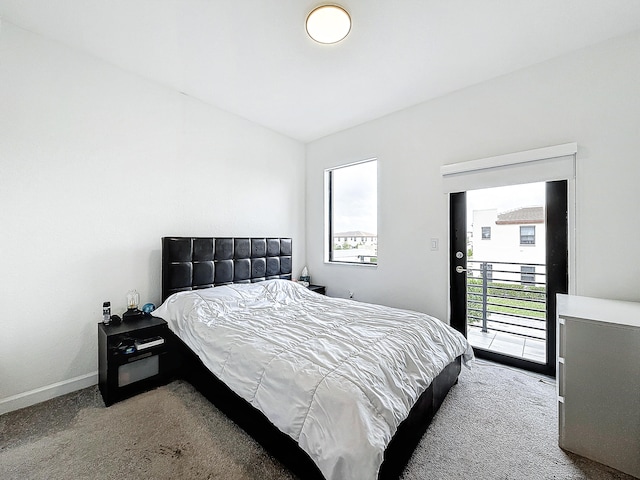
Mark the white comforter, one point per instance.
(336, 375)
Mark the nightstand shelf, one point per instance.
(321, 289)
(123, 370)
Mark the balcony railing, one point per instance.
(507, 297)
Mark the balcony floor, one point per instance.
(508, 344)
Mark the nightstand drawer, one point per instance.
(139, 369)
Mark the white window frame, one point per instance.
(525, 244)
(328, 233)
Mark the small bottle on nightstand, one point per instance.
(106, 313)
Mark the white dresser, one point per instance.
(599, 380)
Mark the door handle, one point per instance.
(459, 269)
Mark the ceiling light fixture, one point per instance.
(328, 24)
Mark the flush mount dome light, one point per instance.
(328, 24)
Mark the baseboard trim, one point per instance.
(47, 392)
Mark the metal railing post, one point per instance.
(484, 296)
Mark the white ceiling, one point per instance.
(253, 57)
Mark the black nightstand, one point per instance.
(321, 289)
(123, 368)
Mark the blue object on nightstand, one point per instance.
(147, 308)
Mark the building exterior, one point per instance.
(354, 239)
(514, 237)
(355, 246)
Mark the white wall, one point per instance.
(96, 165)
(591, 97)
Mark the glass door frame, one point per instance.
(557, 265)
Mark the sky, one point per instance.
(505, 198)
(355, 198)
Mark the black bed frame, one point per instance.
(190, 263)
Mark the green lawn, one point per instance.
(522, 297)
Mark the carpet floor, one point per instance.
(496, 423)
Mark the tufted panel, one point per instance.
(190, 263)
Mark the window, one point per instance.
(486, 233)
(352, 208)
(527, 275)
(489, 270)
(527, 235)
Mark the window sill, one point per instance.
(352, 264)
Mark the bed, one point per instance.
(331, 387)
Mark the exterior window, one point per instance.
(527, 275)
(486, 233)
(486, 269)
(351, 201)
(527, 235)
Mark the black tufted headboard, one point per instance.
(190, 263)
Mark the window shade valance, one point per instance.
(539, 165)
